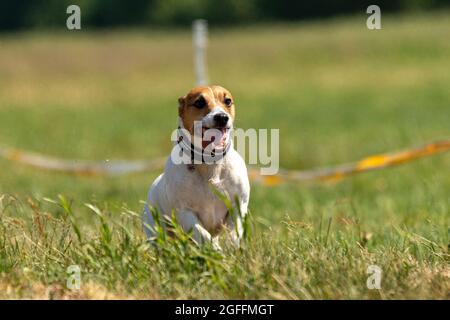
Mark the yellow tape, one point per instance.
(375, 162)
(115, 168)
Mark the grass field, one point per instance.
(336, 91)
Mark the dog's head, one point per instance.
(212, 107)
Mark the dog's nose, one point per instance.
(221, 119)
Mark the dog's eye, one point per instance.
(200, 103)
(228, 102)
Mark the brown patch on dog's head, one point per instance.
(200, 101)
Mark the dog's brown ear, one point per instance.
(181, 101)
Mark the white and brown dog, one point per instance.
(187, 188)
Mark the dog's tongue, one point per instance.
(220, 135)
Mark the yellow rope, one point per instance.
(374, 162)
(115, 168)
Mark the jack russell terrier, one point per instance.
(206, 116)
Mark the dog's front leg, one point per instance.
(189, 222)
(236, 228)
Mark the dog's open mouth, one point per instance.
(218, 136)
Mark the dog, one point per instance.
(187, 189)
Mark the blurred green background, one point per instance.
(336, 90)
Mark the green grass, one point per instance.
(336, 91)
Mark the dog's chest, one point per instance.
(191, 190)
(200, 198)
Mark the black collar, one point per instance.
(196, 153)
